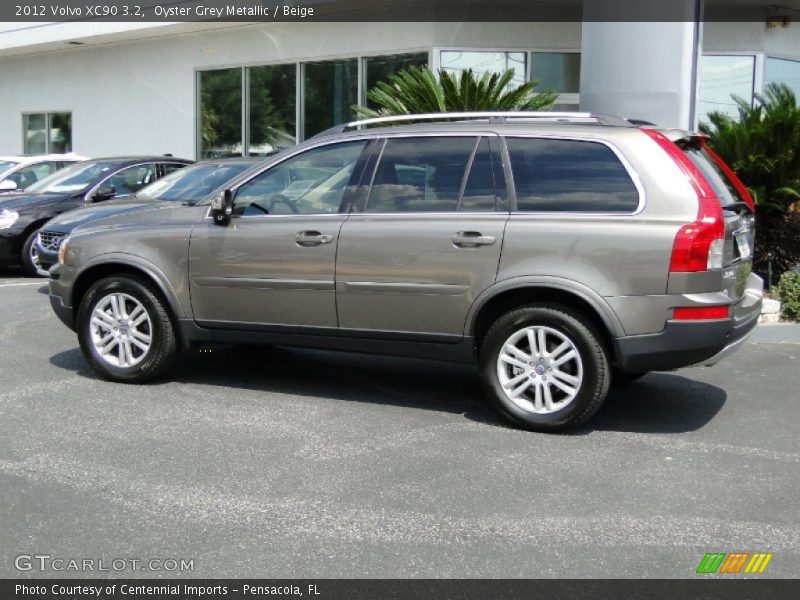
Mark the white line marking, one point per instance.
(2, 285)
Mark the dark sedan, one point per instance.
(23, 214)
(187, 185)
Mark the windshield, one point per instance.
(193, 183)
(7, 165)
(75, 178)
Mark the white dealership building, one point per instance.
(200, 89)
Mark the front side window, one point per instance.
(569, 176)
(75, 178)
(313, 182)
(30, 174)
(131, 180)
(193, 183)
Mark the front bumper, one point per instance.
(59, 301)
(9, 251)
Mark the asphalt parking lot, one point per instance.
(292, 463)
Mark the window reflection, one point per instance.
(221, 113)
(331, 90)
(721, 76)
(779, 70)
(486, 62)
(273, 95)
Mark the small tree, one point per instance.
(417, 90)
(763, 147)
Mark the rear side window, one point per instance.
(723, 187)
(569, 176)
(426, 174)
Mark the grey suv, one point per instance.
(554, 250)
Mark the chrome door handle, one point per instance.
(471, 239)
(312, 238)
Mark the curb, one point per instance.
(776, 333)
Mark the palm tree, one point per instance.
(762, 145)
(417, 90)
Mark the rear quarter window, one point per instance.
(569, 176)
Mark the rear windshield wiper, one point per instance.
(738, 207)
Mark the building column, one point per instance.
(642, 70)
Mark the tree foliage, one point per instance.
(417, 90)
(762, 145)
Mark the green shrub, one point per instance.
(789, 289)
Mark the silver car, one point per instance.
(556, 251)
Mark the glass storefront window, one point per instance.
(557, 71)
(60, 138)
(47, 133)
(482, 62)
(273, 101)
(220, 113)
(330, 91)
(379, 68)
(779, 70)
(720, 77)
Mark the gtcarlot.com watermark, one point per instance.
(58, 564)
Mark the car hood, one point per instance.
(152, 215)
(68, 221)
(20, 202)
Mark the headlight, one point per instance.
(62, 251)
(8, 218)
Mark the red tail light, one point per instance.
(698, 245)
(737, 183)
(700, 313)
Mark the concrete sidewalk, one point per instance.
(777, 333)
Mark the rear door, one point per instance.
(424, 239)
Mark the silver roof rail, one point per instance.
(491, 116)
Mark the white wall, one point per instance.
(138, 97)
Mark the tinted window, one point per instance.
(313, 182)
(566, 175)
(420, 174)
(479, 193)
(194, 182)
(72, 179)
(723, 187)
(131, 180)
(30, 174)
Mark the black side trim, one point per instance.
(680, 344)
(439, 347)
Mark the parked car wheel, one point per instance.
(125, 331)
(30, 256)
(545, 367)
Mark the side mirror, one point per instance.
(105, 192)
(222, 207)
(8, 185)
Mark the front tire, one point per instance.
(29, 258)
(545, 368)
(125, 331)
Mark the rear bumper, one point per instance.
(683, 344)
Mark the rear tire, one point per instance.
(125, 331)
(545, 367)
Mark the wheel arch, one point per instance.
(122, 265)
(510, 294)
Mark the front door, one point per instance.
(427, 240)
(273, 265)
